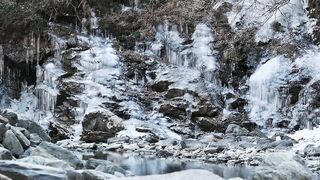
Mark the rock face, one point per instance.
(12, 143)
(99, 126)
(282, 166)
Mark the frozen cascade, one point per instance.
(100, 65)
(57, 45)
(201, 50)
(46, 89)
(94, 26)
(264, 96)
(198, 55)
(258, 13)
(47, 76)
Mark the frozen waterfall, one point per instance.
(265, 99)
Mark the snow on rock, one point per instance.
(264, 97)
(182, 175)
(306, 137)
(274, 19)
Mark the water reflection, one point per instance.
(147, 166)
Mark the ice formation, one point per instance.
(264, 95)
(198, 55)
(265, 14)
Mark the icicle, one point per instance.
(1, 64)
(57, 46)
(265, 90)
(38, 49)
(94, 26)
(46, 88)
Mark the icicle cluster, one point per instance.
(265, 90)
(199, 54)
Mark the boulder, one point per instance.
(21, 137)
(161, 86)
(45, 161)
(237, 130)
(205, 109)
(62, 154)
(5, 154)
(3, 130)
(174, 92)
(11, 117)
(281, 144)
(35, 139)
(33, 127)
(101, 125)
(25, 171)
(52, 151)
(12, 143)
(96, 175)
(173, 109)
(104, 166)
(282, 166)
(312, 150)
(207, 123)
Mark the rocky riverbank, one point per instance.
(86, 84)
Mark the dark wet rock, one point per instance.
(283, 123)
(143, 130)
(33, 127)
(3, 130)
(249, 125)
(99, 126)
(173, 109)
(57, 132)
(214, 149)
(237, 130)
(164, 153)
(205, 109)
(152, 138)
(18, 170)
(161, 86)
(312, 150)
(238, 104)
(12, 117)
(208, 123)
(5, 154)
(12, 143)
(173, 93)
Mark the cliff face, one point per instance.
(161, 70)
